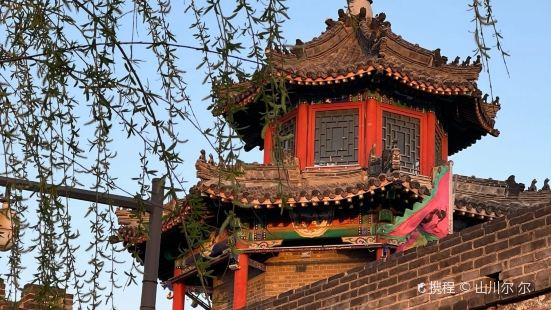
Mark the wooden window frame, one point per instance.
(370, 132)
(359, 105)
(426, 122)
(439, 129)
(269, 133)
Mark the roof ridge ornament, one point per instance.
(355, 7)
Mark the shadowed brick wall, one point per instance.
(286, 271)
(515, 249)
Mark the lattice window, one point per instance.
(439, 136)
(336, 137)
(404, 130)
(285, 139)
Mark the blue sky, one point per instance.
(525, 96)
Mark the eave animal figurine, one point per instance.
(545, 186)
(533, 186)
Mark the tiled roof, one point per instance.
(271, 185)
(349, 51)
(133, 227)
(263, 185)
(491, 198)
(352, 48)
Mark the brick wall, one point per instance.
(222, 295)
(292, 270)
(32, 298)
(287, 271)
(2, 289)
(515, 249)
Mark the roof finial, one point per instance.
(354, 6)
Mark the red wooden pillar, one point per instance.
(240, 278)
(445, 151)
(379, 254)
(268, 145)
(372, 127)
(428, 161)
(179, 291)
(363, 147)
(301, 141)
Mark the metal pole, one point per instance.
(154, 206)
(152, 247)
(79, 194)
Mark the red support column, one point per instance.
(379, 254)
(301, 141)
(382, 253)
(445, 151)
(372, 129)
(179, 291)
(268, 145)
(363, 147)
(240, 278)
(428, 161)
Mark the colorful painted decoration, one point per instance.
(428, 220)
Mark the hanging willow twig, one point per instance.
(75, 81)
(72, 83)
(484, 19)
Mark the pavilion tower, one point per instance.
(356, 170)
